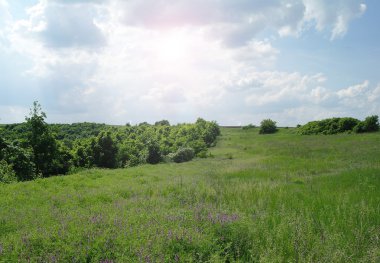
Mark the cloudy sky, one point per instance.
(233, 61)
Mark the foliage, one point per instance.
(41, 149)
(267, 126)
(162, 123)
(347, 124)
(104, 150)
(153, 153)
(370, 124)
(71, 132)
(340, 125)
(7, 175)
(21, 159)
(249, 126)
(209, 131)
(42, 141)
(182, 155)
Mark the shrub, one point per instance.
(182, 155)
(7, 175)
(268, 126)
(20, 159)
(371, 123)
(249, 126)
(347, 124)
(359, 128)
(339, 125)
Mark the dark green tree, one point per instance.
(105, 150)
(42, 141)
(153, 153)
(20, 158)
(162, 123)
(371, 123)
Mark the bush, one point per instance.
(359, 128)
(20, 159)
(249, 126)
(371, 123)
(339, 125)
(7, 175)
(182, 155)
(268, 126)
(347, 124)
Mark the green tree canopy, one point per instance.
(41, 140)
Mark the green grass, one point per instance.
(260, 198)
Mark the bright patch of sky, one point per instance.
(236, 62)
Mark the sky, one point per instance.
(232, 61)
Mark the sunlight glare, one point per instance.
(172, 47)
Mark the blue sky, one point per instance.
(236, 62)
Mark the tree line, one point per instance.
(35, 149)
(340, 125)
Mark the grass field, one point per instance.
(260, 198)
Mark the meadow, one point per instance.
(257, 198)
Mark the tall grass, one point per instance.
(261, 198)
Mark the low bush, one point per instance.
(249, 126)
(7, 175)
(182, 155)
(268, 126)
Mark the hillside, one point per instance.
(259, 198)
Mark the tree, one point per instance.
(268, 126)
(42, 141)
(371, 123)
(153, 153)
(105, 150)
(162, 123)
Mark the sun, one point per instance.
(172, 47)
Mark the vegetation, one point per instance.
(7, 175)
(36, 149)
(249, 126)
(182, 155)
(281, 198)
(268, 126)
(340, 125)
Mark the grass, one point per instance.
(260, 198)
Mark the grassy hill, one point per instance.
(260, 198)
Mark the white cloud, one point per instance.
(297, 98)
(8, 114)
(113, 61)
(374, 95)
(333, 15)
(353, 91)
(236, 23)
(272, 87)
